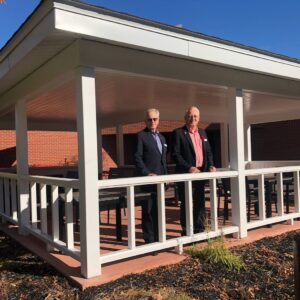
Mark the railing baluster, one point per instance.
(69, 218)
(33, 205)
(7, 197)
(189, 207)
(296, 192)
(44, 222)
(261, 197)
(279, 194)
(131, 217)
(1, 196)
(161, 212)
(55, 213)
(13, 186)
(213, 204)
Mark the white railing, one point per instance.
(263, 176)
(47, 196)
(160, 181)
(8, 197)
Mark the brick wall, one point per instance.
(47, 148)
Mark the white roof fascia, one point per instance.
(29, 42)
(116, 30)
(25, 29)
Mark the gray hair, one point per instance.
(189, 109)
(152, 110)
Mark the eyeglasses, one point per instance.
(152, 119)
(192, 117)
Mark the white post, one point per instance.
(213, 204)
(236, 151)
(280, 206)
(22, 164)
(120, 145)
(224, 145)
(189, 208)
(161, 212)
(88, 172)
(248, 149)
(296, 192)
(261, 197)
(131, 217)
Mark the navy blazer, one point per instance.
(147, 157)
(184, 153)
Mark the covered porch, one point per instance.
(75, 67)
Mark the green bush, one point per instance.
(217, 253)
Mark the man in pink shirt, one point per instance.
(192, 154)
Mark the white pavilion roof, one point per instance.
(139, 64)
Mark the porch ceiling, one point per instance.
(123, 98)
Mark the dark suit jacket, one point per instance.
(147, 156)
(184, 153)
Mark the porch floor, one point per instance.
(112, 271)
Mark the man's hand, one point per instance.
(152, 174)
(194, 170)
(212, 169)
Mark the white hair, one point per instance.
(152, 110)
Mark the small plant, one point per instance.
(217, 253)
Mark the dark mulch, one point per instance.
(269, 275)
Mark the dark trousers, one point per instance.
(198, 206)
(150, 219)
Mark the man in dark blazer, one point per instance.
(150, 160)
(192, 154)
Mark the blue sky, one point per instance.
(265, 24)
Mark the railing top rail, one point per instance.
(272, 170)
(8, 175)
(62, 182)
(144, 180)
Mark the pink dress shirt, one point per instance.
(197, 143)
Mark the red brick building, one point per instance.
(55, 148)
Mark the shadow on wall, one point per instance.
(7, 157)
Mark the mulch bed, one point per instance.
(269, 275)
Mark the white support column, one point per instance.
(22, 164)
(224, 145)
(88, 172)
(248, 148)
(236, 152)
(120, 145)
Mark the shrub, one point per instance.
(217, 253)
